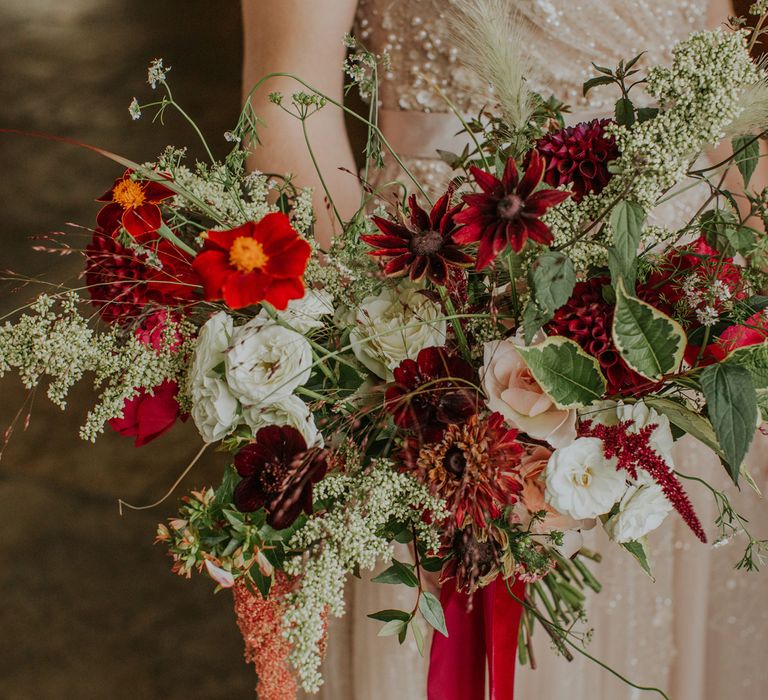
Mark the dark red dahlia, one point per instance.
(278, 474)
(473, 468)
(133, 204)
(508, 211)
(423, 246)
(122, 285)
(579, 156)
(586, 318)
(432, 391)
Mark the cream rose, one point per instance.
(642, 509)
(395, 325)
(214, 409)
(581, 481)
(266, 363)
(290, 411)
(513, 392)
(212, 343)
(305, 314)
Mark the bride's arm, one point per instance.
(303, 38)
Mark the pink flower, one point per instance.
(513, 392)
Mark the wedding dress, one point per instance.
(700, 631)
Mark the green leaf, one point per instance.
(627, 225)
(595, 82)
(732, 407)
(430, 608)
(625, 112)
(533, 319)
(753, 358)
(552, 278)
(637, 549)
(393, 627)
(650, 342)
(741, 238)
(432, 564)
(389, 615)
(645, 114)
(747, 153)
(717, 225)
(418, 636)
(687, 420)
(398, 573)
(567, 374)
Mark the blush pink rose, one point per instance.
(513, 392)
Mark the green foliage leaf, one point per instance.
(393, 627)
(627, 224)
(718, 226)
(732, 406)
(753, 358)
(625, 112)
(747, 153)
(595, 82)
(389, 615)
(567, 374)
(432, 564)
(551, 279)
(650, 342)
(398, 573)
(418, 636)
(638, 550)
(687, 420)
(645, 114)
(430, 608)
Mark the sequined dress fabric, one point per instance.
(700, 631)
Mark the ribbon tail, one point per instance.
(457, 662)
(502, 614)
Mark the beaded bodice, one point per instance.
(564, 37)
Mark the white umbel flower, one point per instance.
(581, 481)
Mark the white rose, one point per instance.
(266, 362)
(581, 482)
(214, 409)
(212, 343)
(642, 509)
(304, 314)
(393, 326)
(290, 411)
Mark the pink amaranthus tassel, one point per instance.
(260, 622)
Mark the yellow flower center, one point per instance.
(129, 194)
(583, 479)
(247, 254)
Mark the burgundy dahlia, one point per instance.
(434, 390)
(278, 474)
(579, 156)
(508, 211)
(424, 246)
(586, 318)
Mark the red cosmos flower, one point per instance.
(255, 262)
(508, 211)
(473, 468)
(133, 204)
(432, 391)
(425, 247)
(278, 474)
(579, 156)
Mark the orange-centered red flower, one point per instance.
(133, 204)
(257, 262)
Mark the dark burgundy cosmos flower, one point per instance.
(579, 156)
(122, 285)
(423, 246)
(278, 474)
(508, 211)
(132, 204)
(473, 468)
(586, 318)
(432, 391)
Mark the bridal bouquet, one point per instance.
(481, 373)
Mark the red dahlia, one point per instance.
(432, 391)
(586, 318)
(122, 285)
(508, 211)
(473, 468)
(278, 474)
(256, 262)
(424, 245)
(132, 204)
(579, 156)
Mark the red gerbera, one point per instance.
(255, 262)
(434, 390)
(579, 156)
(508, 211)
(473, 468)
(133, 204)
(425, 247)
(278, 474)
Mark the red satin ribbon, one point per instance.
(489, 631)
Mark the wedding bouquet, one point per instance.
(481, 373)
